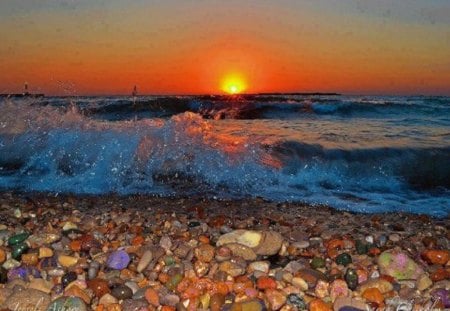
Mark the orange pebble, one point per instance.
(437, 257)
(220, 288)
(163, 277)
(75, 245)
(319, 305)
(137, 240)
(373, 295)
(152, 297)
(168, 308)
(203, 239)
(439, 275)
(374, 251)
(265, 282)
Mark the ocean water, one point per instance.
(358, 153)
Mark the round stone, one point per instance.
(68, 278)
(18, 238)
(118, 260)
(344, 259)
(122, 292)
(351, 277)
(317, 262)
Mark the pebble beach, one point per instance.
(131, 253)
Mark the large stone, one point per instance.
(398, 265)
(244, 237)
(263, 243)
(242, 251)
(30, 299)
(270, 243)
(350, 303)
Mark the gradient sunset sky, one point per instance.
(80, 47)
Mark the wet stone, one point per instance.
(351, 277)
(296, 301)
(344, 259)
(317, 262)
(118, 260)
(18, 250)
(68, 278)
(18, 238)
(122, 292)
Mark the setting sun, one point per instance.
(233, 84)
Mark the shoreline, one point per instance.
(215, 255)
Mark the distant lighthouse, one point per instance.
(25, 89)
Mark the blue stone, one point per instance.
(118, 260)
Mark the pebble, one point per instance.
(67, 261)
(122, 292)
(437, 257)
(67, 303)
(118, 260)
(275, 298)
(30, 299)
(398, 265)
(99, 287)
(144, 261)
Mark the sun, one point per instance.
(233, 84)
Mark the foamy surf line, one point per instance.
(61, 150)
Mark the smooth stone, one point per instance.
(18, 250)
(122, 292)
(270, 244)
(262, 266)
(424, 282)
(67, 304)
(242, 251)
(204, 252)
(145, 260)
(351, 277)
(296, 301)
(100, 287)
(108, 299)
(134, 304)
(41, 284)
(68, 278)
(443, 295)
(231, 268)
(344, 259)
(276, 298)
(317, 262)
(244, 237)
(174, 281)
(29, 299)
(338, 288)
(67, 261)
(169, 300)
(437, 257)
(398, 265)
(10, 264)
(118, 260)
(18, 238)
(45, 252)
(382, 285)
(311, 276)
(349, 304)
(252, 305)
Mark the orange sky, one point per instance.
(188, 46)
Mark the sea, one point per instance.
(356, 153)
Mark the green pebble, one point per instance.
(344, 259)
(317, 262)
(361, 247)
(351, 278)
(18, 250)
(18, 238)
(174, 281)
(169, 260)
